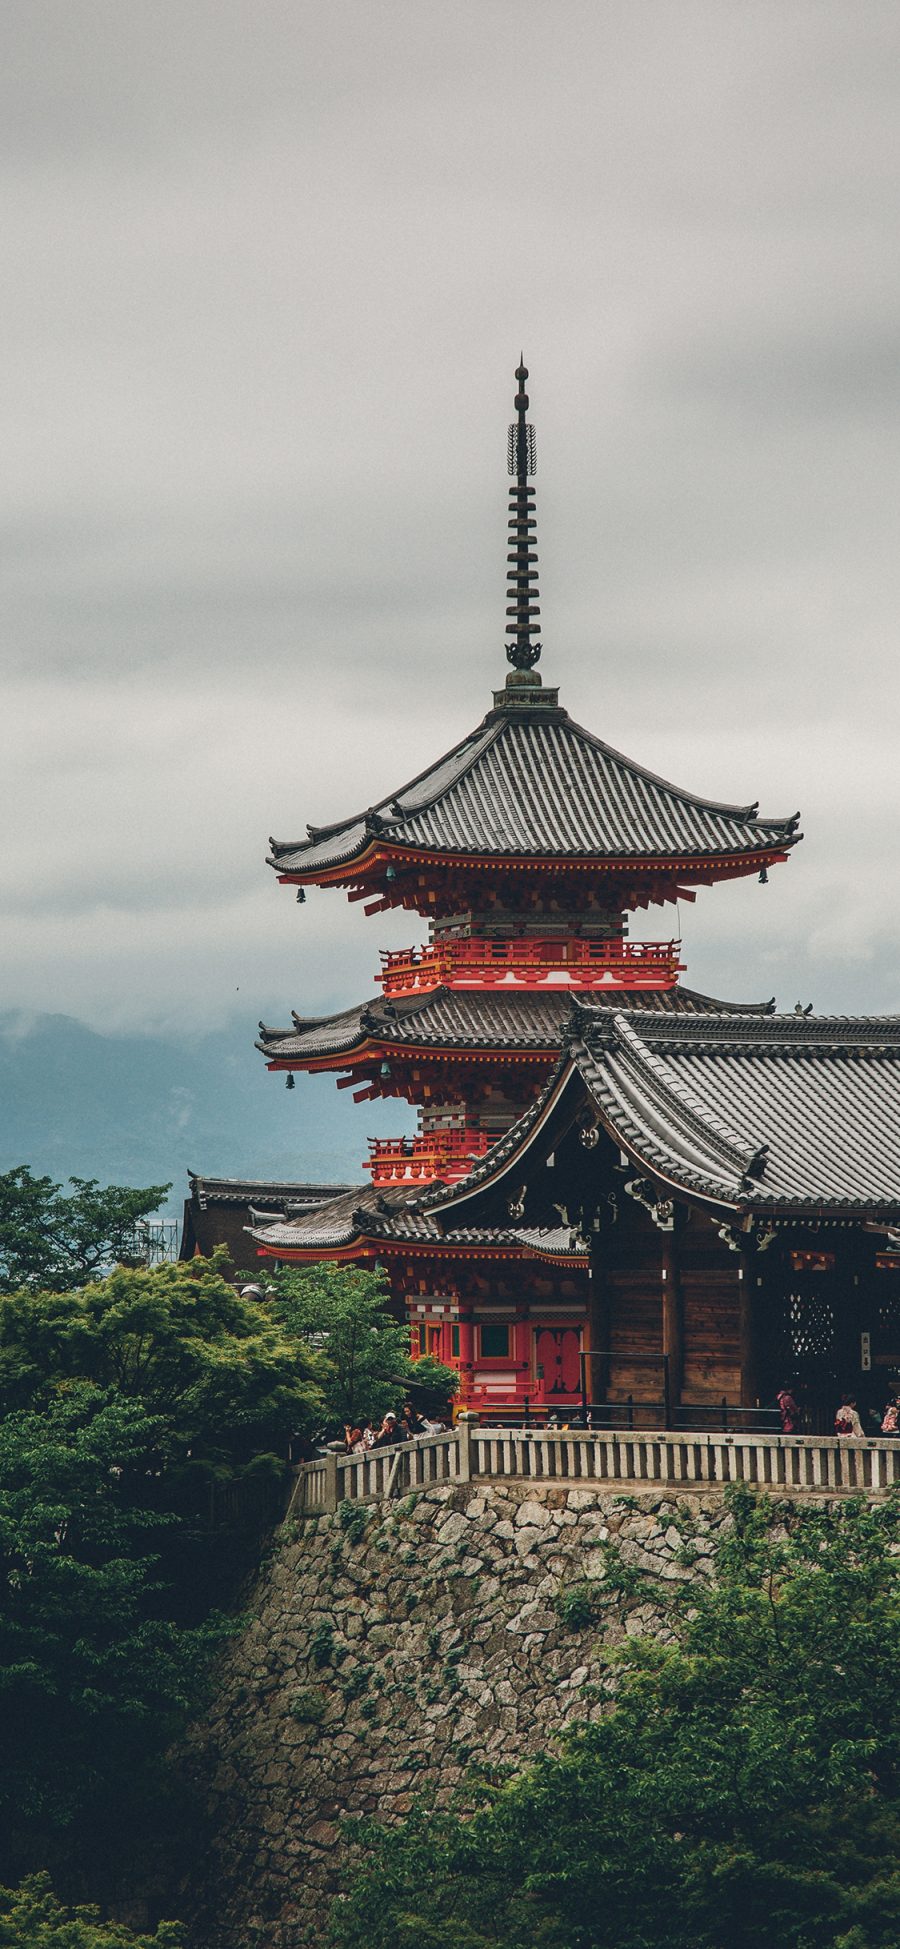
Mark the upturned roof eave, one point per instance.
(387, 848)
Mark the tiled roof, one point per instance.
(261, 1193)
(554, 1242)
(780, 1114)
(469, 1018)
(696, 1098)
(358, 1217)
(783, 1113)
(534, 783)
(334, 1224)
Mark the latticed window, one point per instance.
(811, 1321)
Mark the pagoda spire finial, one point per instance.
(521, 581)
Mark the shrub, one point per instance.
(309, 1706)
(354, 1520)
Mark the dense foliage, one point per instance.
(132, 1405)
(226, 1382)
(344, 1312)
(50, 1238)
(95, 1677)
(742, 1792)
(32, 1918)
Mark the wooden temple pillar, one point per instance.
(749, 1320)
(521, 1349)
(673, 1312)
(466, 1354)
(599, 1327)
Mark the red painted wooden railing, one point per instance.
(440, 1156)
(573, 963)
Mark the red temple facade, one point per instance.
(526, 849)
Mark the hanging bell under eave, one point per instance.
(385, 1072)
(290, 1081)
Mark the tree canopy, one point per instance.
(343, 1312)
(742, 1790)
(95, 1677)
(49, 1238)
(32, 1918)
(222, 1376)
(126, 1402)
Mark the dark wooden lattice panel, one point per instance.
(811, 1323)
(889, 1316)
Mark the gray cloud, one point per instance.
(268, 270)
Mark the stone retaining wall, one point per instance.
(391, 1646)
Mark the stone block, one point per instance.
(453, 1529)
(535, 1514)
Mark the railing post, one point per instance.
(464, 1449)
(330, 1498)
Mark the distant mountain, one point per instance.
(143, 1109)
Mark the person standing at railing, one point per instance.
(789, 1411)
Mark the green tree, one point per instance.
(431, 1384)
(50, 1239)
(343, 1312)
(742, 1791)
(32, 1918)
(95, 1677)
(223, 1378)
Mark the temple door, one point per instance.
(557, 1361)
(815, 1360)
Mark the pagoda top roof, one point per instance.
(472, 1019)
(531, 783)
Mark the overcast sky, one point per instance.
(268, 268)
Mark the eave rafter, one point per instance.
(407, 1054)
(383, 873)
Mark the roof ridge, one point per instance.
(772, 1033)
(651, 1151)
(701, 1121)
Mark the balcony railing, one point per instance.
(572, 963)
(441, 1157)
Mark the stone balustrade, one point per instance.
(787, 1464)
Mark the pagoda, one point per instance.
(526, 849)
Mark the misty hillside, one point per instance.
(143, 1109)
